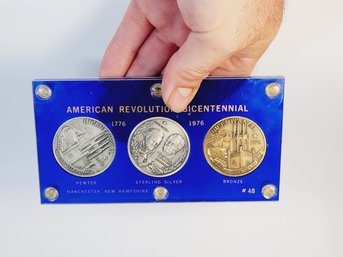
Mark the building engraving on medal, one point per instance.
(158, 147)
(235, 146)
(84, 147)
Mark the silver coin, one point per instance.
(84, 147)
(158, 147)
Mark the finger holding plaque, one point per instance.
(84, 147)
(235, 146)
(158, 147)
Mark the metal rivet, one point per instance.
(156, 90)
(51, 193)
(43, 92)
(273, 90)
(160, 193)
(269, 191)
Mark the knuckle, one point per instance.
(122, 45)
(142, 65)
(193, 76)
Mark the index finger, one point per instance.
(130, 35)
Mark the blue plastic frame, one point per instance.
(122, 182)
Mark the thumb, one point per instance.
(196, 58)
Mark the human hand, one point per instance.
(189, 40)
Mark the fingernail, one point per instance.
(180, 98)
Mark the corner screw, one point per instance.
(269, 191)
(156, 90)
(43, 92)
(160, 193)
(51, 194)
(273, 90)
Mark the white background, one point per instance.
(63, 39)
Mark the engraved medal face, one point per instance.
(235, 146)
(84, 147)
(158, 147)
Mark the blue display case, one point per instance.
(122, 104)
